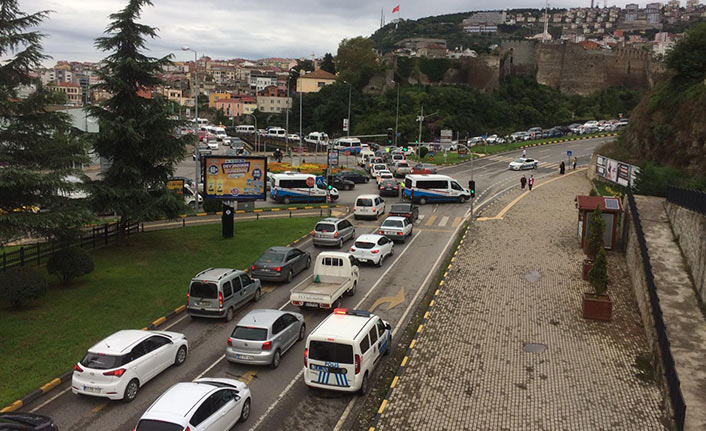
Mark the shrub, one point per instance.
(423, 151)
(596, 229)
(212, 205)
(598, 275)
(20, 285)
(70, 263)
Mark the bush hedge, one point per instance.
(21, 285)
(70, 263)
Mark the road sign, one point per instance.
(568, 153)
(446, 136)
(333, 158)
(310, 182)
(347, 153)
(345, 124)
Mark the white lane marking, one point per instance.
(421, 217)
(50, 399)
(443, 221)
(175, 322)
(344, 416)
(210, 367)
(279, 398)
(298, 284)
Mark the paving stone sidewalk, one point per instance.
(517, 281)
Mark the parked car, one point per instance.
(534, 132)
(356, 177)
(492, 139)
(372, 248)
(119, 365)
(340, 182)
(575, 128)
(263, 336)
(332, 231)
(368, 206)
(424, 168)
(22, 421)
(396, 228)
(217, 292)
(206, 404)
(407, 210)
(522, 164)
(389, 187)
(280, 264)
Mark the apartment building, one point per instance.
(73, 92)
(273, 99)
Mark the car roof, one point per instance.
(261, 318)
(395, 218)
(118, 342)
(369, 237)
(280, 248)
(177, 402)
(367, 196)
(342, 326)
(214, 274)
(399, 204)
(329, 220)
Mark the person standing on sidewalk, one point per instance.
(575, 161)
(562, 168)
(523, 182)
(524, 153)
(530, 182)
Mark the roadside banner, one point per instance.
(235, 178)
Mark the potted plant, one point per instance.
(597, 305)
(594, 242)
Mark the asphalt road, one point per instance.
(278, 393)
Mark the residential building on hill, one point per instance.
(273, 99)
(314, 81)
(73, 92)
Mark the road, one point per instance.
(280, 392)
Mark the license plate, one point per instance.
(91, 390)
(203, 303)
(311, 304)
(244, 357)
(390, 232)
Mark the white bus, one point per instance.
(292, 187)
(245, 129)
(348, 144)
(434, 188)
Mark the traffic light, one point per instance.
(330, 187)
(390, 136)
(404, 148)
(472, 186)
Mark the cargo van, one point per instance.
(365, 156)
(245, 129)
(316, 138)
(434, 188)
(276, 132)
(342, 352)
(292, 187)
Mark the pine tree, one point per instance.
(39, 150)
(137, 133)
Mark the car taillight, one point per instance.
(380, 232)
(252, 268)
(352, 249)
(399, 233)
(187, 298)
(382, 188)
(117, 373)
(375, 251)
(278, 269)
(357, 363)
(220, 299)
(296, 303)
(77, 368)
(395, 187)
(335, 234)
(267, 345)
(306, 354)
(313, 233)
(230, 342)
(374, 209)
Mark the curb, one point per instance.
(37, 393)
(420, 328)
(258, 210)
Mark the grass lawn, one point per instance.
(133, 284)
(451, 157)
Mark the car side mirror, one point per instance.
(388, 327)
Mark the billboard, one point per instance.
(235, 178)
(176, 186)
(615, 171)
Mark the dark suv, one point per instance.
(407, 210)
(26, 422)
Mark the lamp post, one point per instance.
(350, 86)
(257, 132)
(197, 161)
(397, 112)
(286, 109)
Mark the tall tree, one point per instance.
(137, 134)
(356, 60)
(38, 148)
(328, 64)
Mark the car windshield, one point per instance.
(389, 183)
(364, 245)
(519, 160)
(331, 352)
(403, 208)
(392, 223)
(249, 333)
(402, 165)
(271, 256)
(379, 167)
(99, 361)
(200, 289)
(154, 425)
(325, 227)
(364, 202)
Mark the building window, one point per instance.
(321, 84)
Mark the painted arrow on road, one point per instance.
(392, 301)
(247, 377)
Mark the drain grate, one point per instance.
(534, 347)
(533, 276)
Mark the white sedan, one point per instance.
(119, 365)
(206, 404)
(384, 175)
(396, 228)
(372, 248)
(522, 164)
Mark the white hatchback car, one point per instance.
(396, 228)
(206, 404)
(119, 365)
(372, 248)
(368, 206)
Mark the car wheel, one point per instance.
(286, 200)
(258, 295)
(349, 187)
(364, 385)
(379, 262)
(131, 390)
(340, 243)
(351, 291)
(308, 262)
(245, 413)
(275, 359)
(302, 332)
(180, 356)
(461, 199)
(229, 314)
(423, 201)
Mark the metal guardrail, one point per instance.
(690, 199)
(674, 386)
(36, 254)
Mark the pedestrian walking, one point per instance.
(524, 153)
(523, 182)
(575, 161)
(562, 168)
(530, 182)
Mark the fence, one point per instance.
(689, 199)
(670, 372)
(36, 254)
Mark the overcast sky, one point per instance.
(239, 28)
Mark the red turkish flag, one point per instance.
(396, 9)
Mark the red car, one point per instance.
(424, 168)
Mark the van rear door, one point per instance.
(331, 363)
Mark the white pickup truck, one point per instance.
(335, 274)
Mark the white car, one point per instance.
(396, 228)
(384, 175)
(376, 168)
(119, 365)
(372, 248)
(206, 404)
(368, 206)
(293, 138)
(212, 145)
(522, 164)
(492, 139)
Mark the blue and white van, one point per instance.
(292, 187)
(434, 188)
(348, 144)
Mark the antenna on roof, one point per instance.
(546, 22)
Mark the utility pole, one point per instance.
(546, 22)
(397, 112)
(197, 160)
(420, 119)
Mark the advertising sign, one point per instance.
(333, 158)
(345, 124)
(235, 178)
(615, 171)
(446, 136)
(176, 186)
(623, 174)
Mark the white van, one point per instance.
(245, 129)
(343, 350)
(348, 144)
(292, 187)
(365, 156)
(221, 135)
(434, 188)
(316, 138)
(276, 132)
(201, 121)
(368, 206)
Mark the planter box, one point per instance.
(587, 265)
(597, 307)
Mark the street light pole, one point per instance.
(257, 133)
(197, 160)
(397, 113)
(350, 87)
